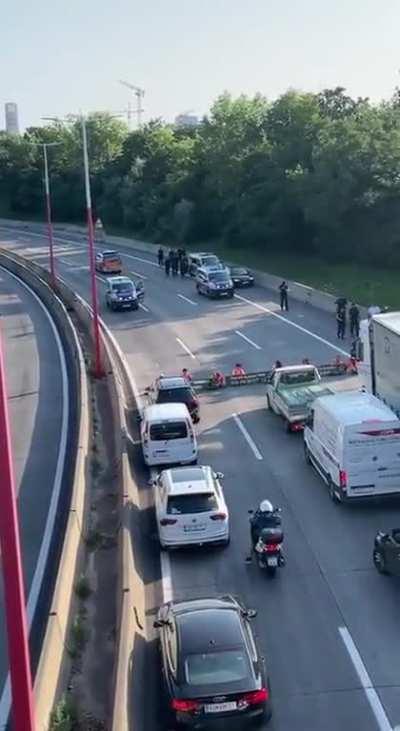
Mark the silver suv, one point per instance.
(203, 259)
(214, 282)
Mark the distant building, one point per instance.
(186, 120)
(12, 126)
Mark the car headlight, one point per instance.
(114, 296)
(212, 285)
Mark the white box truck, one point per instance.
(353, 441)
(379, 355)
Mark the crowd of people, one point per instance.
(175, 262)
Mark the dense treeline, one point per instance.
(315, 173)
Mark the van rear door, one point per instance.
(372, 458)
(172, 441)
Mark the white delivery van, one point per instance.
(353, 440)
(167, 435)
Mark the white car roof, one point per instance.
(355, 407)
(166, 412)
(109, 251)
(391, 320)
(290, 369)
(119, 280)
(165, 382)
(199, 480)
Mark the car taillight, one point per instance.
(255, 697)
(191, 436)
(343, 478)
(184, 706)
(218, 516)
(272, 547)
(167, 521)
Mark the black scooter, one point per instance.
(268, 550)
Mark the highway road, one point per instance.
(38, 390)
(329, 624)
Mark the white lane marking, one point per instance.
(143, 307)
(122, 357)
(182, 297)
(289, 322)
(251, 342)
(5, 700)
(247, 437)
(185, 347)
(101, 279)
(366, 683)
(137, 274)
(144, 261)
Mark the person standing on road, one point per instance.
(184, 265)
(160, 256)
(283, 289)
(341, 323)
(354, 314)
(175, 263)
(167, 265)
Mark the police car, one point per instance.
(108, 262)
(203, 259)
(123, 294)
(214, 282)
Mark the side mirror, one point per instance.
(219, 475)
(251, 613)
(158, 623)
(250, 512)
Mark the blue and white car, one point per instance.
(214, 282)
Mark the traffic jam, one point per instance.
(212, 668)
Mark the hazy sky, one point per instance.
(59, 56)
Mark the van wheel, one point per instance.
(332, 493)
(268, 403)
(307, 454)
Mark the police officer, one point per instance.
(160, 256)
(354, 314)
(283, 289)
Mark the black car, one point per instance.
(241, 277)
(175, 390)
(386, 554)
(212, 671)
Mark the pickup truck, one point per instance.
(291, 391)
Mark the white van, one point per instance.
(167, 435)
(353, 441)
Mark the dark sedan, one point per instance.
(241, 277)
(212, 672)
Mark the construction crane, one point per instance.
(139, 94)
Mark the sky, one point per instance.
(65, 56)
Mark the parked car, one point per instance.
(214, 283)
(212, 671)
(241, 277)
(203, 259)
(386, 553)
(123, 294)
(190, 507)
(108, 262)
(176, 389)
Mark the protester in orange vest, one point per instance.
(218, 379)
(238, 370)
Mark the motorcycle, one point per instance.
(268, 550)
(386, 553)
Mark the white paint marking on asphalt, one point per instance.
(247, 437)
(251, 342)
(137, 274)
(5, 700)
(143, 307)
(289, 322)
(144, 261)
(366, 683)
(101, 279)
(122, 357)
(185, 348)
(182, 297)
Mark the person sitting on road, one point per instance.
(218, 379)
(186, 375)
(306, 361)
(238, 370)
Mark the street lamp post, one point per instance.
(45, 145)
(13, 580)
(98, 367)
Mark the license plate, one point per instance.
(220, 707)
(272, 561)
(126, 304)
(193, 528)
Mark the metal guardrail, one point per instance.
(325, 370)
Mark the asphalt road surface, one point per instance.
(329, 624)
(38, 406)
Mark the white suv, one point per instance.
(190, 507)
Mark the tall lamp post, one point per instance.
(45, 145)
(98, 367)
(13, 580)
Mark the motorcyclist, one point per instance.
(266, 516)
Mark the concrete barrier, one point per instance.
(53, 663)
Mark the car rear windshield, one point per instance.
(238, 271)
(125, 287)
(187, 474)
(209, 261)
(296, 378)
(209, 668)
(193, 503)
(175, 395)
(218, 277)
(168, 430)
(110, 255)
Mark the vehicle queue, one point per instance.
(212, 669)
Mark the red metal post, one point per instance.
(48, 217)
(14, 595)
(98, 368)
